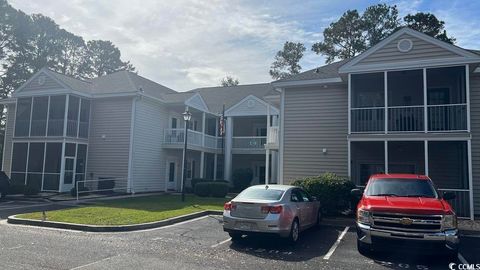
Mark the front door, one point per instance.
(171, 175)
(68, 173)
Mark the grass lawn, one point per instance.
(132, 210)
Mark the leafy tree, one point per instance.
(379, 22)
(343, 39)
(287, 60)
(104, 58)
(354, 33)
(229, 81)
(429, 24)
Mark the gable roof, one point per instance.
(74, 84)
(327, 73)
(216, 97)
(456, 55)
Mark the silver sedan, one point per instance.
(277, 209)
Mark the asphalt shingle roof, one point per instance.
(324, 72)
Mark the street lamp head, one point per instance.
(187, 115)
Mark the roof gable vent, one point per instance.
(405, 45)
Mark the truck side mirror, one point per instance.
(449, 196)
(357, 193)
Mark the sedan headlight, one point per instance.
(363, 216)
(449, 222)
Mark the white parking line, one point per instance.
(221, 243)
(462, 259)
(335, 245)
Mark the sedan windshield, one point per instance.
(401, 188)
(261, 194)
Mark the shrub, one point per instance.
(16, 189)
(30, 190)
(242, 178)
(202, 189)
(106, 185)
(333, 191)
(195, 181)
(218, 189)
(83, 189)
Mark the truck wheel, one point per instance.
(235, 236)
(364, 249)
(294, 232)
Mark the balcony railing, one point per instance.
(174, 136)
(450, 117)
(249, 143)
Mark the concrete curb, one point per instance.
(113, 228)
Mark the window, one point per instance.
(84, 118)
(70, 149)
(39, 116)
(72, 116)
(35, 157)
(53, 157)
(174, 123)
(22, 119)
(56, 116)
(448, 164)
(81, 162)
(401, 188)
(261, 194)
(19, 163)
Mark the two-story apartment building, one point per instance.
(409, 104)
(122, 126)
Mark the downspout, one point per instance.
(130, 188)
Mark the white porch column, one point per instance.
(267, 167)
(274, 176)
(202, 164)
(228, 148)
(203, 129)
(215, 166)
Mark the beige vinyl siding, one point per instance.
(148, 161)
(314, 119)
(7, 147)
(421, 50)
(108, 157)
(475, 129)
(49, 84)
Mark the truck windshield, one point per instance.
(401, 188)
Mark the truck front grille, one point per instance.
(407, 222)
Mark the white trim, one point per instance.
(65, 117)
(229, 113)
(425, 101)
(419, 138)
(413, 64)
(385, 150)
(470, 178)
(281, 137)
(189, 103)
(122, 94)
(349, 103)
(31, 112)
(463, 54)
(349, 165)
(131, 144)
(5, 136)
(78, 117)
(385, 94)
(467, 94)
(62, 167)
(307, 82)
(55, 92)
(425, 151)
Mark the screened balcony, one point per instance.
(423, 100)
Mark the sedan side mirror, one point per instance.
(449, 196)
(357, 193)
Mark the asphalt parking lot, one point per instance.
(199, 244)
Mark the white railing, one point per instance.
(55, 127)
(461, 204)
(176, 136)
(249, 142)
(406, 118)
(72, 126)
(368, 119)
(447, 117)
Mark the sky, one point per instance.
(186, 44)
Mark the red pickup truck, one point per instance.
(405, 211)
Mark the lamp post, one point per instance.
(186, 116)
